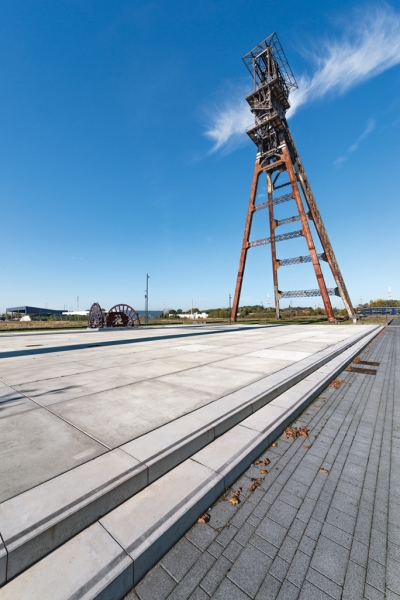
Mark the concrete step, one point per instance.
(113, 553)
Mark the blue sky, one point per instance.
(122, 152)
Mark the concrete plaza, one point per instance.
(95, 426)
(62, 405)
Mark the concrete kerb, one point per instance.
(166, 509)
(88, 492)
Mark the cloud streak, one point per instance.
(368, 129)
(369, 48)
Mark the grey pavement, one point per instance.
(90, 400)
(306, 533)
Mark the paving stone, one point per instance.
(279, 568)
(363, 525)
(372, 593)
(379, 520)
(307, 545)
(227, 534)
(359, 553)
(288, 591)
(324, 584)
(311, 592)
(156, 585)
(227, 589)
(298, 568)
(297, 488)
(244, 534)
(282, 513)
(330, 559)
(313, 529)
(269, 589)
(232, 551)
(337, 535)
(271, 531)
(394, 534)
(180, 559)
(288, 549)
(393, 551)
(242, 514)
(261, 509)
(189, 583)
(201, 535)
(393, 575)
(320, 511)
(215, 575)
(215, 549)
(378, 546)
(198, 594)
(297, 529)
(376, 575)
(249, 570)
(354, 583)
(221, 514)
(253, 520)
(263, 545)
(290, 499)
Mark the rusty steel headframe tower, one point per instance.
(276, 156)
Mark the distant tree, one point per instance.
(179, 311)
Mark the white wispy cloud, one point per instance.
(370, 126)
(368, 47)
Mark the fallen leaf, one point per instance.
(323, 471)
(234, 500)
(204, 518)
(263, 472)
(274, 445)
(307, 447)
(293, 432)
(336, 383)
(317, 406)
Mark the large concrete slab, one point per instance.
(36, 446)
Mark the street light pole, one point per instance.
(146, 295)
(230, 316)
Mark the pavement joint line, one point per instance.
(365, 341)
(120, 342)
(58, 416)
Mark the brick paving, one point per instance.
(304, 533)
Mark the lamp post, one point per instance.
(230, 316)
(146, 295)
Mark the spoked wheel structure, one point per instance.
(95, 318)
(122, 315)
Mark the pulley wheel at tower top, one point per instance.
(122, 315)
(95, 317)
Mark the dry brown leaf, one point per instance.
(234, 500)
(323, 471)
(204, 518)
(357, 359)
(274, 445)
(307, 447)
(293, 432)
(263, 472)
(336, 383)
(317, 406)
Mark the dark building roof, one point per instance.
(33, 310)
